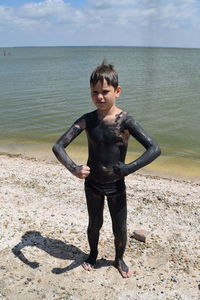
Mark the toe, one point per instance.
(129, 274)
(125, 274)
(86, 266)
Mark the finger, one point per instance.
(84, 176)
(116, 168)
(86, 168)
(85, 171)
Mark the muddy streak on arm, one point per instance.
(152, 148)
(64, 141)
(151, 153)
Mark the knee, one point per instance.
(95, 225)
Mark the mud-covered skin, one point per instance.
(118, 212)
(107, 144)
(62, 143)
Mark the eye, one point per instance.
(105, 92)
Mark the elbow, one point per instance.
(157, 150)
(56, 149)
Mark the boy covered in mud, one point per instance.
(108, 129)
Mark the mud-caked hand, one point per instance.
(81, 171)
(121, 169)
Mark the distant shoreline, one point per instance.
(101, 46)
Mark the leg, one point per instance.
(118, 211)
(95, 205)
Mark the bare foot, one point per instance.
(122, 268)
(88, 265)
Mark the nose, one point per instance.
(99, 96)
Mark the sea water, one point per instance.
(43, 90)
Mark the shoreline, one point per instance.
(174, 167)
(155, 172)
(43, 242)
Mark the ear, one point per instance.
(118, 91)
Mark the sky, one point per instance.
(154, 23)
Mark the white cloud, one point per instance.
(41, 10)
(49, 12)
(58, 11)
(145, 12)
(105, 4)
(99, 18)
(6, 15)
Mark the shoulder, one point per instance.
(91, 114)
(128, 120)
(86, 119)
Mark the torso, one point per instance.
(107, 143)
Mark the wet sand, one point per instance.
(43, 237)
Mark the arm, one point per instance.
(59, 150)
(151, 153)
(18, 253)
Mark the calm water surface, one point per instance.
(44, 89)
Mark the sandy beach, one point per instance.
(43, 237)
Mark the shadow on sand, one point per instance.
(55, 248)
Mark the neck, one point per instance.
(113, 110)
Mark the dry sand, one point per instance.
(43, 237)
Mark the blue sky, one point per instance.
(163, 23)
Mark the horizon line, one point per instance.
(124, 46)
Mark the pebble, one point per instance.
(173, 278)
(140, 235)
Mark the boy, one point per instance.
(108, 129)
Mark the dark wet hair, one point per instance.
(104, 71)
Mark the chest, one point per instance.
(107, 133)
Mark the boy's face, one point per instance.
(104, 95)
